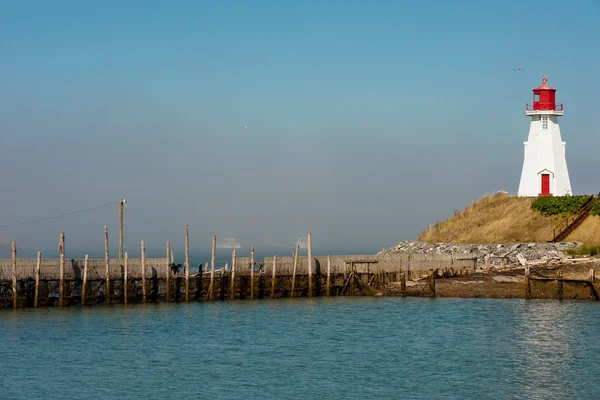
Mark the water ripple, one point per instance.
(305, 349)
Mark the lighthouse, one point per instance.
(545, 165)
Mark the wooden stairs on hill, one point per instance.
(564, 229)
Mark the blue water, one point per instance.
(339, 348)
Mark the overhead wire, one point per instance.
(59, 216)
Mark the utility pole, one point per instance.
(121, 206)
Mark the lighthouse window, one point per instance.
(544, 122)
(536, 98)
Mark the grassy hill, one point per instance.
(502, 218)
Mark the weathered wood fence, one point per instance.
(44, 281)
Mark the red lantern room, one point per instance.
(544, 98)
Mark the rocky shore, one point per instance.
(496, 254)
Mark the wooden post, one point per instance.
(14, 275)
(213, 259)
(37, 279)
(432, 282)
(144, 294)
(84, 283)
(223, 282)
(233, 260)
(198, 295)
(527, 283)
(310, 278)
(261, 281)
(252, 272)
(107, 264)
(273, 277)
(328, 276)
(294, 271)
(593, 283)
(187, 264)
(168, 273)
(560, 288)
(61, 282)
(125, 273)
(403, 284)
(121, 206)
(352, 277)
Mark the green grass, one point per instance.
(596, 207)
(557, 205)
(585, 251)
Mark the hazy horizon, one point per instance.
(370, 120)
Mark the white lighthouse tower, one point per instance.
(545, 166)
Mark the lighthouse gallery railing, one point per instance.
(544, 106)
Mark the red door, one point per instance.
(545, 185)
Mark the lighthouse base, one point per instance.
(545, 165)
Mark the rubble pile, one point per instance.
(495, 254)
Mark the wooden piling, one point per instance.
(14, 275)
(121, 207)
(432, 282)
(403, 284)
(261, 281)
(37, 279)
(84, 283)
(223, 283)
(144, 293)
(233, 261)
(592, 279)
(61, 276)
(168, 274)
(294, 271)
(560, 288)
(273, 277)
(252, 272)
(352, 277)
(310, 277)
(527, 283)
(187, 264)
(107, 264)
(328, 290)
(125, 275)
(213, 259)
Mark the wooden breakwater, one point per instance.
(45, 282)
(541, 281)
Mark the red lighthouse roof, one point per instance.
(544, 85)
(544, 98)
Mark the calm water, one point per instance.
(358, 348)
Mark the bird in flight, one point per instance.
(519, 69)
(246, 126)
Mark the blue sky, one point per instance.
(371, 119)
